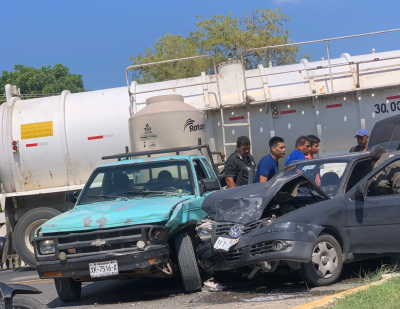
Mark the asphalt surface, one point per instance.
(277, 291)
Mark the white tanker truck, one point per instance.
(50, 145)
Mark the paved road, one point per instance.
(278, 292)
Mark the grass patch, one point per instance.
(370, 276)
(385, 296)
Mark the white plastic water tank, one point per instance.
(166, 122)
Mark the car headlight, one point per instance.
(204, 231)
(47, 247)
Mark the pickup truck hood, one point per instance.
(109, 214)
(248, 203)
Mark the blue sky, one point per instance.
(96, 38)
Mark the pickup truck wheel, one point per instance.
(326, 262)
(25, 229)
(68, 289)
(23, 302)
(187, 262)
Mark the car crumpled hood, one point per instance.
(110, 214)
(247, 203)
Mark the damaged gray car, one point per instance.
(313, 216)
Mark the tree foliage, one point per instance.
(222, 37)
(45, 80)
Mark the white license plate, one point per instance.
(225, 243)
(103, 269)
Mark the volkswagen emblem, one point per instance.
(235, 231)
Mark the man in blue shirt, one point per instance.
(268, 165)
(302, 149)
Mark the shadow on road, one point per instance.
(145, 290)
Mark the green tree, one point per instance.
(45, 80)
(222, 37)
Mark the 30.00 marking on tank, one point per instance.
(103, 269)
(392, 105)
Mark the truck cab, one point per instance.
(135, 217)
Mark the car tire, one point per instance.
(326, 262)
(24, 229)
(68, 289)
(23, 302)
(187, 262)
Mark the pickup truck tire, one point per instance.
(24, 231)
(326, 262)
(187, 262)
(68, 289)
(22, 302)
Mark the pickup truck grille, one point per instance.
(97, 242)
(222, 228)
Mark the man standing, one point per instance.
(302, 149)
(239, 163)
(268, 165)
(362, 140)
(314, 146)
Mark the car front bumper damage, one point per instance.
(258, 246)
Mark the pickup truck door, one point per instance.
(373, 219)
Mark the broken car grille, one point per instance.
(222, 228)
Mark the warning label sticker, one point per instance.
(37, 129)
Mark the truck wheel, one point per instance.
(23, 302)
(187, 262)
(68, 289)
(25, 229)
(326, 262)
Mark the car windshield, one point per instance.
(146, 179)
(327, 175)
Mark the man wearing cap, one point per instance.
(362, 141)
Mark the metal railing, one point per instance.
(132, 95)
(329, 66)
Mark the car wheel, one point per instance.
(187, 262)
(25, 230)
(326, 262)
(68, 289)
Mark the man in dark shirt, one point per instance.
(238, 164)
(302, 149)
(362, 140)
(268, 165)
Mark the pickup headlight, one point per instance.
(47, 247)
(157, 233)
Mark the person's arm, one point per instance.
(263, 178)
(230, 183)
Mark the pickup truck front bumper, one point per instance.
(129, 263)
(73, 252)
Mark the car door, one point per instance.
(373, 212)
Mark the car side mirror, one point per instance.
(359, 193)
(3, 249)
(210, 184)
(71, 196)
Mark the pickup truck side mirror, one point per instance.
(359, 193)
(3, 249)
(71, 196)
(210, 184)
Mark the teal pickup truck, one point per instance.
(133, 218)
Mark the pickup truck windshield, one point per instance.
(146, 179)
(325, 174)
